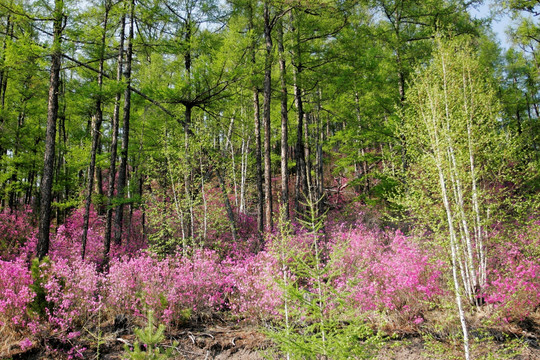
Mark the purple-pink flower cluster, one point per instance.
(15, 293)
(373, 270)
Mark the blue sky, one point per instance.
(500, 22)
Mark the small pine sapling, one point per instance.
(150, 337)
(317, 321)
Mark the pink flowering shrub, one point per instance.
(15, 294)
(171, 286)
(67, 242)
(15, 228)
(25, 343)
(385, 271)
(362, 269)
(514, 274)
(254, 292)
(73, 290)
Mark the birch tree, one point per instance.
(452, 123)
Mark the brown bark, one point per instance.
(122, 169)
(301, 180)
(284, 127)
(99, 180)
(258, 152)
(188, 173)
(401, 77)
(258, 162)
(50, 139)
(96, 128)
(3, 71)
(307, 159)
(266, 116)
(228, 207)
(319, 158)
(114, 147)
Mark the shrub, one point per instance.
(170, 286)
(514, 276)
(385, 272)
(15, 228)
(73, 292)
(253, 291)
(15, 282)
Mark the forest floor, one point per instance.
(228, 340)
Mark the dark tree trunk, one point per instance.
(266, 116)
(319, 159)
(188, 173)
(307, 159)
(13, 194)
(99, 181)
(50, 139)
(258, 152)
(301, 180)
(96, 128)
(122, 169)
(284, 127)
(401, 85)
(258, 161)
(114, 147)
(228, 207)
(30, 188)
(3, 72)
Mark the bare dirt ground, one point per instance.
(237, 342)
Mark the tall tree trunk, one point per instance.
(188, 173)
(99, 180)
(228, 207)
(13, 194)
(319, 172)
(96, 128)
(52, 114)
(284, 127)
(233, 162)
(258, 161)
(258, 152)
(114, 147)
(122, 169)
(307, 159)
(3, 71)
(266, 116)
(30, 188)
(401, 85)
(301, 180)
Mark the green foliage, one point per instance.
(452, 131)
(97, 336)
(150, 336)
(317, 321)
(38, 270)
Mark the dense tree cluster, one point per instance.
(276, 103)
(212, 131)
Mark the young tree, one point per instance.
(451, 124)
